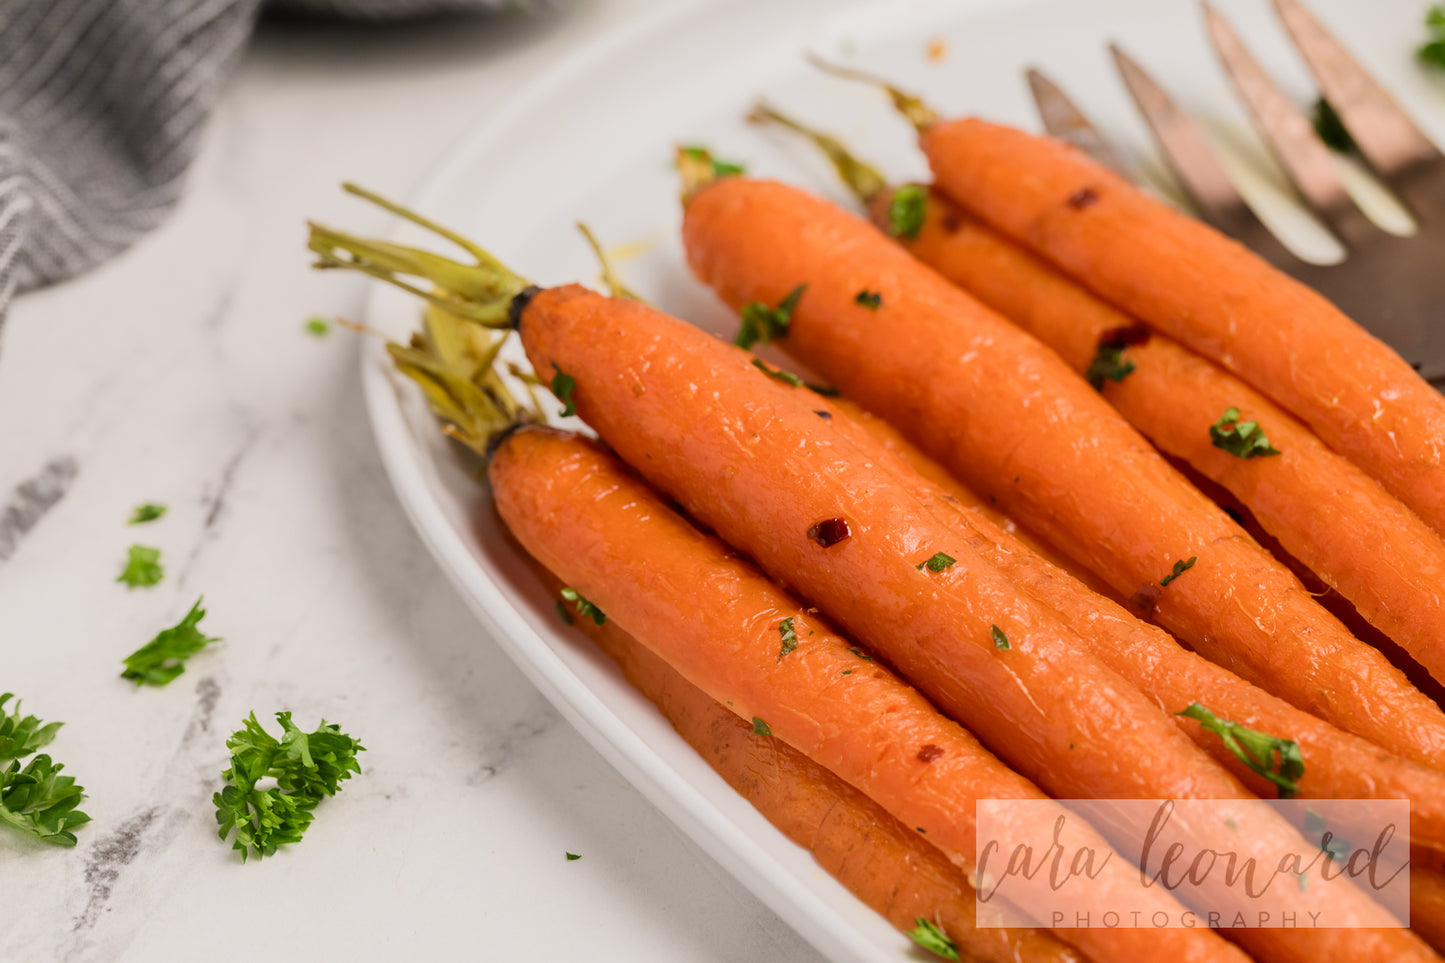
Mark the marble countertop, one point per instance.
(181, 373)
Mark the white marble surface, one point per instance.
(181, 373)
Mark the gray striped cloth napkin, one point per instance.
(101, 106)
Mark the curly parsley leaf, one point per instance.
(937, 563)
(1179, 569)
(164, 657)
(563, 385)
(789, 636)
(21, 736)
(148, 512)
(1242, 439)
(584, 608)
(929, 936)
(34, 798)
(302, 768)
(1109, 364)
(907, 211)
(142, 567)
(762, 324)
(1278, 760)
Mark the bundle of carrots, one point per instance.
(953, 646)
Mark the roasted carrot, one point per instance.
(1326, 512)
(1004, 413)
(1189, 281)
(887, 865)
(722, 627)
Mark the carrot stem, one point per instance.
(863, 179)
(911, 106)
(610, 277)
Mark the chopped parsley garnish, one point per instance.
(1000, 641)
(148, 512)
(860, 653)
(1109, 363)
(1179, 569)
(761, 728)
(871, 300)
(777, 374)
(318, 327)
(1277, 760)
(1318, 830)
(563, 614)
(927, 935)
(584, 608)
(306, 767)
(142, 567)
(824, 390)
(789, 636)
(720, 168)
(563, 385)
(164, 657)
(572, 856)
(937, 563)
(762, 324)
(907, 210)
(34, 798)
(1242, 439)
(1330, 128)
(1433, 52)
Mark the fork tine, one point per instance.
(1287, 131)
(1384, 133)
(1064, 120)
(1195, 164)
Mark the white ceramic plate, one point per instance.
(592, 140)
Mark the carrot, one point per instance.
(1193, 283)
(884, 863)
(1323, 510)
(1006, 415)
(720, 624)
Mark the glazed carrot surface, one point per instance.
(886, 864)
(712, 617)
(1324, 511)
(1210, 292)
(1017, 425)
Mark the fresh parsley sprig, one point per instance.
(35, 798)
(1242, 439)
(164, 657)
(1278, 760)
(302, 767)
(762, 324)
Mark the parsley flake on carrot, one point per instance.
(778, 374)
(563, 385)
(1000, 641)
(761, 728)
(937, 563)
(872, 300)
(1179, 569)
(1242, 439)
(907, 211)
(929, 936)
(789, 637)
(584, 607)
(762, 324)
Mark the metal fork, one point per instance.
(1394, 286)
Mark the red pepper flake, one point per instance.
(1146, 600)
(830, 531)
(929, 753)
(1128, 336)
(1082, 198)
